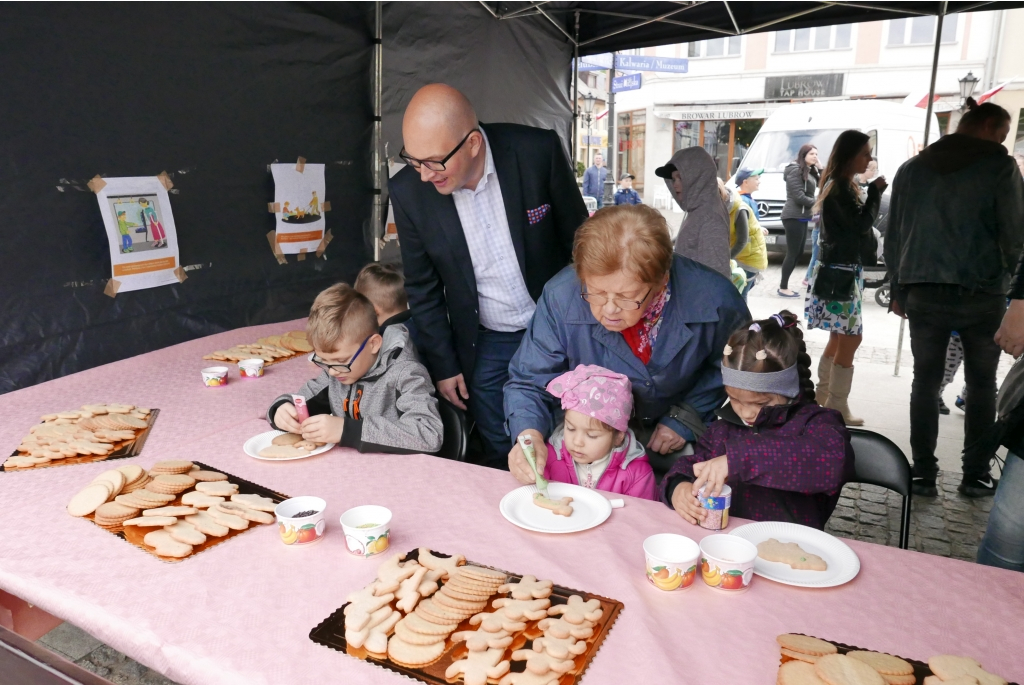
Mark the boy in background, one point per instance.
(372, 393)
(625, 195)
(384, 286)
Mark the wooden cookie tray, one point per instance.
(134, 534)
(921, 670)
(122, 450)
(331, 633)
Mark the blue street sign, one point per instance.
(675, 65)
(596, 62)
(623, 83)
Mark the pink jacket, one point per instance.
(629, 472)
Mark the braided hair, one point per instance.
(783, 343)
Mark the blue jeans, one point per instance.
(1003, 544)
(814, 252)
(751, 277)
(494, 351)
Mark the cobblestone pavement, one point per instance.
(949, 525)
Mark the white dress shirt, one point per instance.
(505, 303)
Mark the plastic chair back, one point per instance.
(455, 431)
(879, 461)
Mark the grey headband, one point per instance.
(785, 382)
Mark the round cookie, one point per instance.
(416, 623)
(901, 679)
(805, 644)
(174, 466)
(406, 654)
(836, 669)
(798, 673)
(151, 521)
(169, 484)
(886, 664)
(206, 476)
(89, 499)
(809, 658)
(407, 634)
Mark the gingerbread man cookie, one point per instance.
(559, 627)
(575, 610)
(481, 640)
(562, 507)
(559, 647)
(408, 590)
(478, 667)
(362, 604)
(495, 621)
(390, 575)
(445, 566)
(542, 662)
(529, 678)
(357, 638)
(528, 588)
(520, 609)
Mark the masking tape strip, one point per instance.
(327, 206)
(96, 185)
(113, 286)
(302, 255)
(300, 165)
(165, 180)
(322, 247)
(180, 274)
(273, 207)
(272, 238)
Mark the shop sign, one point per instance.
(802, 86)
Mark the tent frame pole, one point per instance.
(377, 214)
(924, 144)
(575, 94)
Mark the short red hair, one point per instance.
(630, 238)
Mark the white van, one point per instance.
(896, 132)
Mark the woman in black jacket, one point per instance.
(801, 179)
(837, 286)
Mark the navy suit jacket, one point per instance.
(533, 171)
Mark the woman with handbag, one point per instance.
(837, 285)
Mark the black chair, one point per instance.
(878, 461)
(455, 431)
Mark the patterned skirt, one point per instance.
(832, 315)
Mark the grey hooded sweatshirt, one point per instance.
(390, 409)
(704, 235)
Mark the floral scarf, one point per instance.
(641, 336)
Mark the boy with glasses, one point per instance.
(372, 393)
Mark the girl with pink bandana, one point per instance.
(594, 446)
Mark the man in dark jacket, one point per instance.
(486, 214)
(956, 227)
(593, 180)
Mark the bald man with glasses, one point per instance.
(486, 214)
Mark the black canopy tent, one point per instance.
(213, 93)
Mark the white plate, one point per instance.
(256, 443)
(589, 509)
(843, 562)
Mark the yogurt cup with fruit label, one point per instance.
(215, 376)
(671, 561)
(250, 368)
(367, 530)
(301, 520)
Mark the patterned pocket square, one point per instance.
(535, 215)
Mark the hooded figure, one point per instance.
(692, 178)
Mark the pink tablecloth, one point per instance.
(241, 612)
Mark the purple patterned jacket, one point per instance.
(789, 466)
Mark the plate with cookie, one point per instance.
(567, 509)
(798, 555)
(282, 446)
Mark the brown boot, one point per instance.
(824, 374)
(839, 391)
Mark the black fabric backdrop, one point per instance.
(210, 92)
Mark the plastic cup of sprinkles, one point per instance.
(301, 520)
(367, 530)
(215, 376)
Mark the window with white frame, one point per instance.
(921, 30)
(817, 38)
(726, 46)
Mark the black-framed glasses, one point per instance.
(621, 303)
(434, 164)
(341, 368)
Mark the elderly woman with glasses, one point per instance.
(630, 305)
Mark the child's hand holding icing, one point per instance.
(711, 475)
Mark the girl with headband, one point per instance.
(785, 457)
(594, 446)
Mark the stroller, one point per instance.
(877, 276)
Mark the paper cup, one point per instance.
(671, 561)
(717, 508)
(301, 530)
(250, 368)
(367, 530)
(727, 562)
(215, 376)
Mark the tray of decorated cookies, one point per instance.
(176, 509)
(439, 619)
(96, 432)
(272, 349)
(812, 661)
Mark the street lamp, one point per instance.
(967, 85)
(588, 114)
